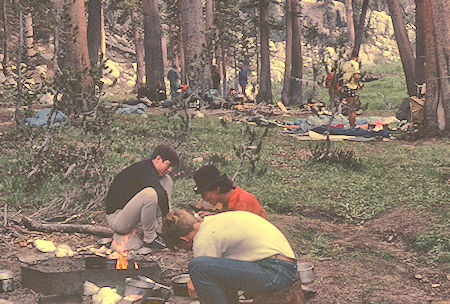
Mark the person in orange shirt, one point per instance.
(219, 190)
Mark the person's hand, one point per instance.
(191, 290)
(205, 213)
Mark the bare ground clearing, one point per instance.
(372, 263)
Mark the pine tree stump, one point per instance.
(288, 295)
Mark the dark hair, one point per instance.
(208, 178)
(174, 66)
(167, 153)
(355, 54)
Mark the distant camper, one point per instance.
(173, 77)
(243, 81)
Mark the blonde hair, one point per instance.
(176, 224)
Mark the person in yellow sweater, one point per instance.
(351, 83)
(234, 250)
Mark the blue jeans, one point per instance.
(217, 280)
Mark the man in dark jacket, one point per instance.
(243, 81)
(173, 77)
(141, 194)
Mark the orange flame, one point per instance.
(122, 262)
(122, 253)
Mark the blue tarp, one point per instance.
(140, 108)
(352, 132)
(40, 118)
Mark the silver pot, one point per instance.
(138, 287)
(6, 281)
(305, 272)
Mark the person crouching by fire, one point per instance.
(141, 194)
(235, 250)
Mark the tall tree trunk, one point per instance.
(182, 50)
(173, 52)
(94, 32)
(437, 66)
(441, 24)
(257, 51)
(56, 37)
(29, 35)
(75, 52)
(295, 86)
(164, 49)
(350, 24)
(288, 60)
(209, 9)
(265, 86)
(140, 66)
(404, 47)
(102, 33)
(419, 67)
(224, 70)
(5, 62)
(360, 29)
(194, 39)
(19, 67)
(154, 67)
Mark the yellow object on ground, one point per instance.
(90, 289)
(106, 295)
(282, 107)
(63, 250)
(317, 136)
(44, 246)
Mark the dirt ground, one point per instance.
(374, 264)
(358, 275)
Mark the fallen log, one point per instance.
(71, 228)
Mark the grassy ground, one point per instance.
(412, 175)
(377, 226)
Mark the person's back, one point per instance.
(243, 76)
(244, 201)
(173, 75)
(240, 235)
(350, 70)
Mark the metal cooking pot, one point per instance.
(6, 281)
(138, 287)
(179, 284)
(305, 272)
(153, 300)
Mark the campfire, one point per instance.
(121, 254)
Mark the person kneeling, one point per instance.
(235, 250)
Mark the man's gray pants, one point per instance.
(143, 208)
